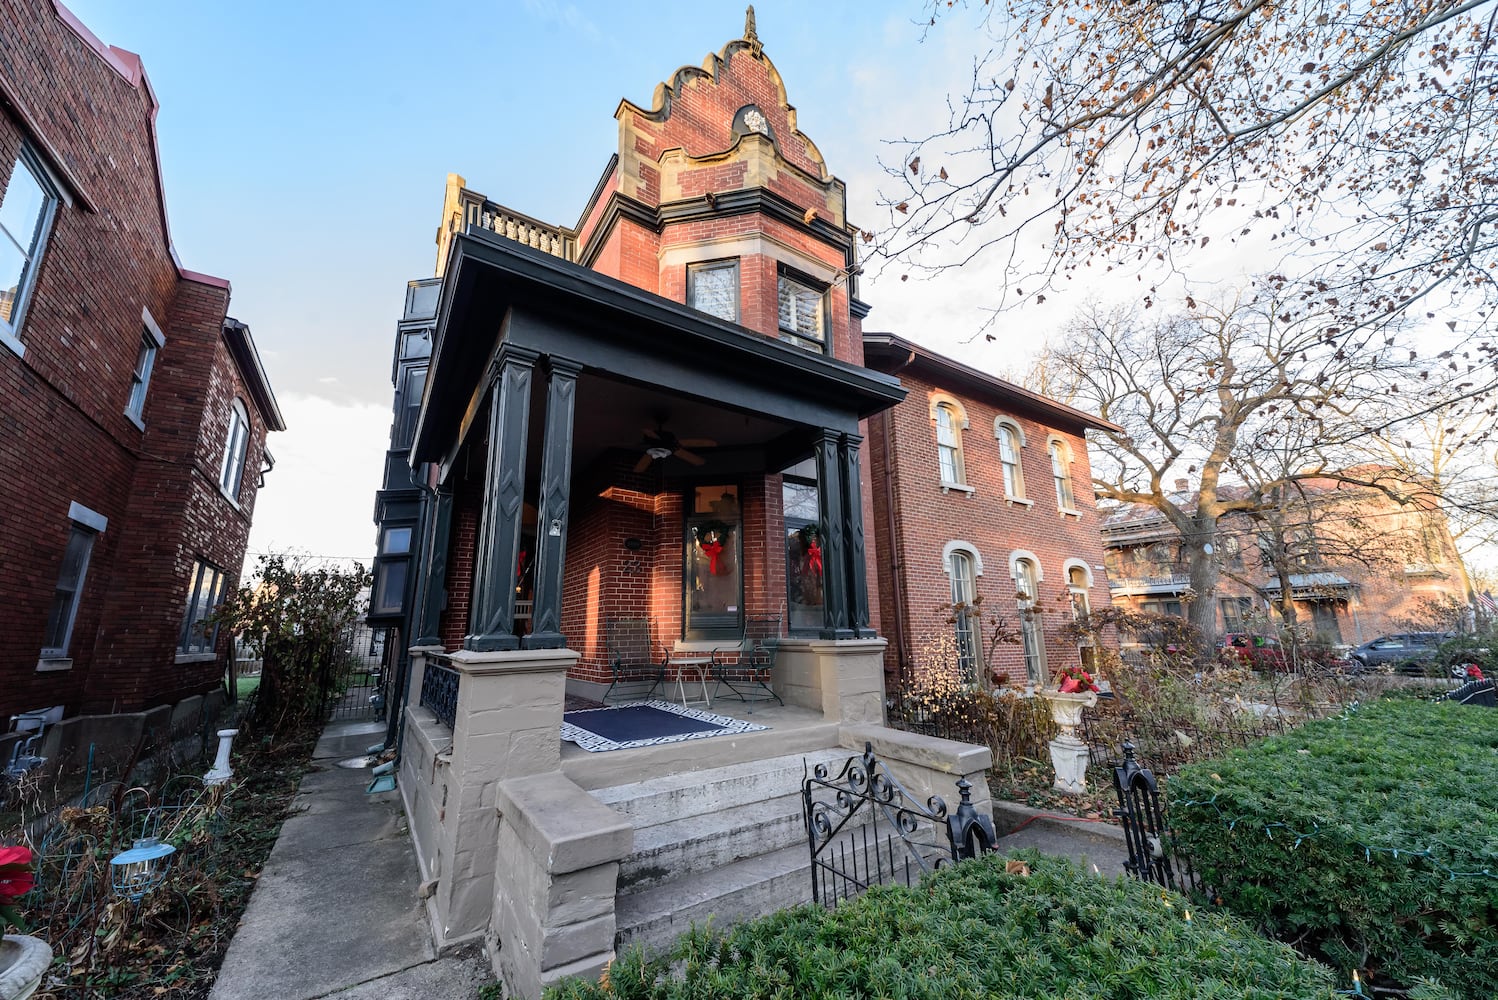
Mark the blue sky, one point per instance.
(305, 147)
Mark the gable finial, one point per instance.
(750, 34)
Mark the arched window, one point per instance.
(1061, 471)
(949, 444)
(963, 567)
(236, 446)
(1011, 439)
(1077, 583)
(1027, 597)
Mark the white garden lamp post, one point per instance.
(1068, 753)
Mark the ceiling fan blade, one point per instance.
(644, 462)
(687, 456)
(652, 433)
(697, 443)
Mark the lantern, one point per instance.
(138, 871)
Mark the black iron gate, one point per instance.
(1147, 837)
(357, 689)
(864, 829)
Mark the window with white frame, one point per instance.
(1076, 588)
(205, 592)
(961, 566)
(1027, 598)
(85, 526)
(713, 288)
(803, 319)
(949, 445)
(1061, 471)
(151, 340)
(236, 446)
(26, 210)
(1010, 441)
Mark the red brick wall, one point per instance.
(906, 481)
(64, 436)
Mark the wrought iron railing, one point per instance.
(1153, 855)
(1143, 582)
(439, 690)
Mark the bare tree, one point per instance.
(1355, 143)
(1225, 410)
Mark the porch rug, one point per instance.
(645, 724)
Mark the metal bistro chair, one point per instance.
(748, 676)
(628, 642)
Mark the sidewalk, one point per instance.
(335, 912)
(1087, 843)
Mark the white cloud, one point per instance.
(319, 499)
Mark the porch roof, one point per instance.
(496, 290)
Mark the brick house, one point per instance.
(981, 488)
(133, 410)
(1359, 565)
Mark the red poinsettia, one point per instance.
(1075, 680)
(16, 880)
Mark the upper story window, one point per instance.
(949, 424)
(803, 314)
(1011, 439)
(1061, 472)
(236, 446)
(408, 406)
(151, 340)
(26, 211)
(714, 288)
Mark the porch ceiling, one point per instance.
(643, 356)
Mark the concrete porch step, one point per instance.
(707, 841)
(760, 885)
(671, 797)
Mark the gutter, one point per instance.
(897, 549)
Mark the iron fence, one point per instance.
(1169, 745)
(864, 829)
(1152, 853)
(439, 690)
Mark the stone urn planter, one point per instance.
(1068, 753)
(23, 962)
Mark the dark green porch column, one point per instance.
(433, 587)
(858, 576)
(832, 517)
(551, 519)
(493, 618)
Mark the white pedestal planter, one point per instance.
(221, 772)
(23, 962)
(1068, 753)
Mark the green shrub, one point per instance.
(972, 932)
(1370, 839)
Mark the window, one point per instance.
(1010, 443)
(412, 386)
(1061, 470)
(236, 445)
(26, 211)
(713, 578)
(1027, 597)
(949, 445)
(1234, 611)
(1076, 588)
(151, 340)
(804, 567)
(960, 566)
(803, 319)
(205, 592)
(86, 526)
(391, 567)
(714, 289)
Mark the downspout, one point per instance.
(897, 549)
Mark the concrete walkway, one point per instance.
(335, 913)
(1086, 842)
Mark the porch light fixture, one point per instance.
(137, 872)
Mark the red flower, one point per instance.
(16, 874)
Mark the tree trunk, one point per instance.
(1201, 566)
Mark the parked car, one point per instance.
(1407, 652)
(1259, 652)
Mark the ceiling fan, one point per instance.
(660, 443)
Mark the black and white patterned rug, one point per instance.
(646, 724)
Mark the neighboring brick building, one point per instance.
(981, 488)
(133, 411)
(1359, 565)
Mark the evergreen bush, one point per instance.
(976, 931)
(1369, 840)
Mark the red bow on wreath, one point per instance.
(713, 549)
(814, 556)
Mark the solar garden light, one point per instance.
(221, 772)
(137, 872)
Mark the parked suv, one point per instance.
(1408, 651)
